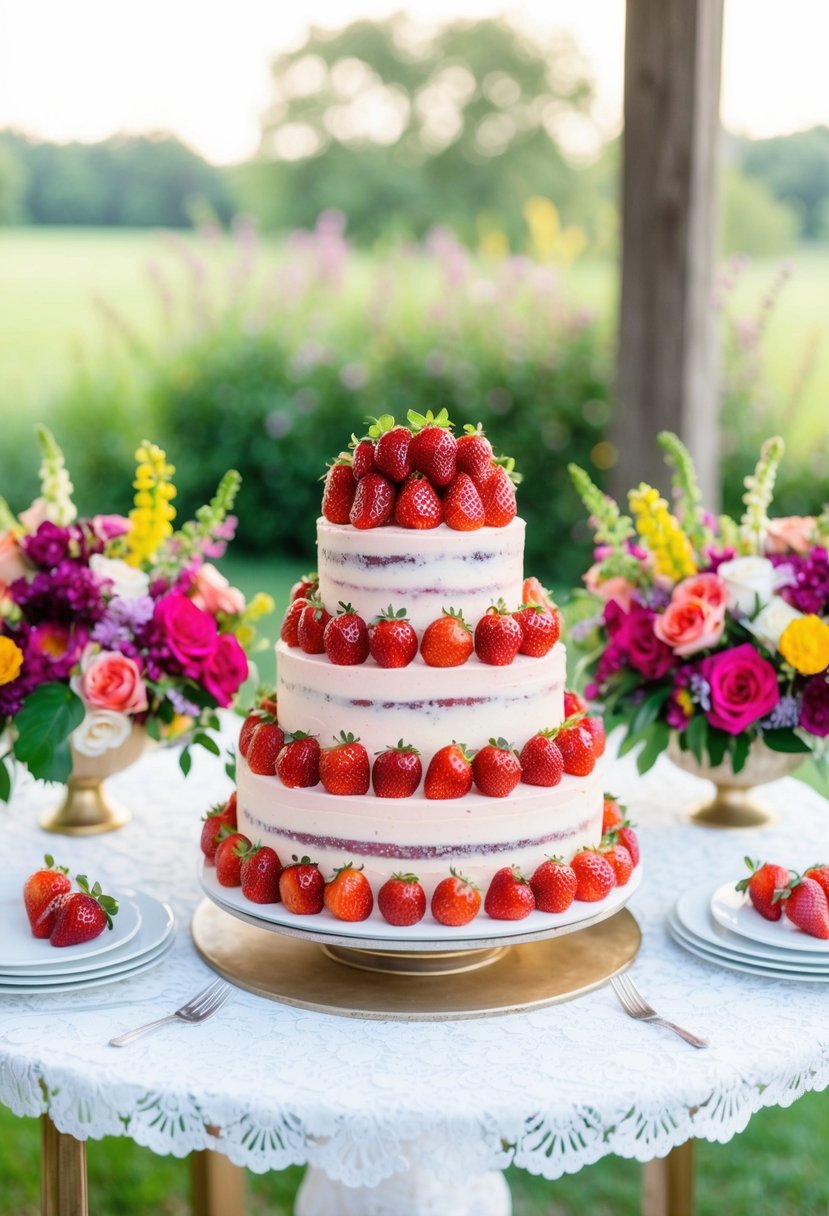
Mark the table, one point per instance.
(425, 1106)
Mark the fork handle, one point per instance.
(683, 1034)
(123, 1039)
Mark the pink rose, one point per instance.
(743, 688)
(689, 625)
(790, 534)
(190, 633)
(108, 527)
(12, 563)
(708, 587)
(35, 515)
(226, 669)
(212, 592)
(110, 680)
(615, 588)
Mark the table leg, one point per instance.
(668, 1183)
(217, 1186)
(63, 1190)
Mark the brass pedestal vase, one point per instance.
(87, 809)
(734, 803)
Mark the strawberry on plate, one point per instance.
(391, 451)
(223, 815)
(417, 504)
(510, 896)
(373, 503)
(348, 895)
(449, 774)
(765, 886)
(345, 768)
(497, 636)
(820, 874)
(447, 642)
(474, 454)
(554, 885)
(463, 510)
(346, 637)
(259, 872)
(595, 876)
(807, 907)
(496, 769)
(339, 492)
(40, 890)
(302, 887)
(434, 449)
(540, 629)
(298, 762)
(455, 900)
(392, 641)
(265, 745)
(401, 900)
(83, 915)
(310, 630)
(231, 847)
(541, 761)
(396, 772)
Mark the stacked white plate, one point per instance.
(723, 928)
(141, 935)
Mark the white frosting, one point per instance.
(425, 706)
(421, 571)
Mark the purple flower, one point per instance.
(68, 593)
(814, 710)
(785, 715)
(48, 546)
(807, 579)
(123, 621)
(633, 635)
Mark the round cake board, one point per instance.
(299, 972)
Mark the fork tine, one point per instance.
(639, 1000)
(195, 1004)
(629, 995)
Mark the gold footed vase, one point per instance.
(734, 803)
(87, 809)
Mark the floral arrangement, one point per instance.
(713, 633)
(110, 622)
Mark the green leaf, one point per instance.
(784, 740)
(695, 736)
(629, 742)
(655, 745)
(44, 723)
(5, 781)
(717, 745)
(739, 752)
(648, 711)
(207, 742)
(185, 760)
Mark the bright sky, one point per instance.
(87, 69)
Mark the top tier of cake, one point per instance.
(422, 571)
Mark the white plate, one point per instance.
(94, 981)
(733, 910)
(766, 971)
(792, 962)
(427, 934)
(692, 911)
(156, 926)
(20, 949)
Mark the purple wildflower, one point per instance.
(785, 715)
(123, 620)
(67, 593)
(181, 704)
(807, 579)
(699, 690)
(48, 546)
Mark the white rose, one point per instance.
(127, 582)
(747, 579)
(100, 731)
(769, 624)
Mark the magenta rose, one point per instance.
(225, 669)
(190, 633)
(814, 710)
(743, 688)
(645, 652)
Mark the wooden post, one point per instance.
(668, 346)
(63, 1189)
(217, 1186)
(668, 1183)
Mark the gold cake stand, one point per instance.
(501, 974)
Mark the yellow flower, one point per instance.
(805, 644)
(151, 519)
(11, 660)
(670, 548)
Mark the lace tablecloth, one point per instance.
(550, 1091)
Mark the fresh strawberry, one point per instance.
(302, 887)
(540, 629)
(541, 761)
(348, 895)
(229, 857)
(765, 885)
(40, 890)
(449, 774)
(619, 858)
(574, 704)
(391, 453)
(820, 874)
(339, 492)
(267, 703)
(474, 451)
(496, 769)
(345, 768)
(259, 871)
(362, 458)
(307, 585)
(346, 637)
(298, 763)
(266, 743)
(447, 642)
(613, 814)
(497, 636)
(402, 900)
(510, 896)
(392, 641)
(373, 503)
(462, 506)
(455, 900)
(310, 630)
(626, 836)
(554, 885)
(595, 876)
(290, 621)
(807, 907)
(417, 505)
(396, 771)
(532, 592)
(221, 816)
(498, 496)
(596, 729)
(434, 449)
(84, 915)
(577, 749)
(246, 733)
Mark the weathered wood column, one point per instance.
(668, 339)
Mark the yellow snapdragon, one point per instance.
(151, 519)
(805, 644)
(670, 548)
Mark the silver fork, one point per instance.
(635, 1005)
(203, 1005)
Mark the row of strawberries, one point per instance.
(391, 641)
(302, 889)
(420, 476)
(345, 768)
(65, 916)
(773, 890)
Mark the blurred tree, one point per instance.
(754, 221)
(401, 130)
(12, 187)
(796, 170)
